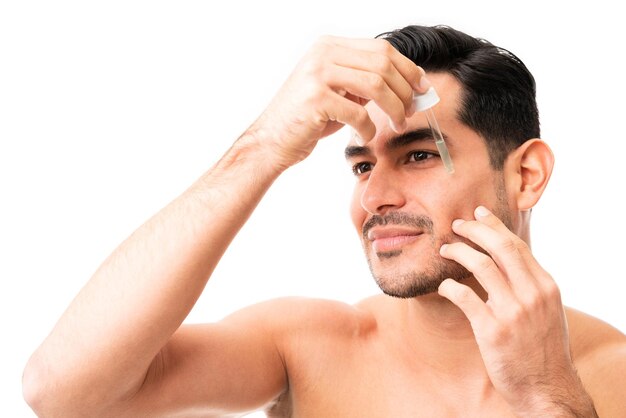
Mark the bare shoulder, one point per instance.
(588, 334)
(599, 353)
(296, 316)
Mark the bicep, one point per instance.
(228, 367)
(604, 377)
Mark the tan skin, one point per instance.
(120, 349)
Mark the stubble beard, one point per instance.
(419, 280)
(426, 278)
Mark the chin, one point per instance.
(413, 283)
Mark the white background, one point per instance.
(108, 110)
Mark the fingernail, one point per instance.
(457, 222)
(443, 248)
(482, 211)
(357, 138)
(396, 128)
(425, 84)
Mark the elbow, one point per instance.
(33, 388)
(51, 394)
(46, 396)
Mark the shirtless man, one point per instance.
(470, 324)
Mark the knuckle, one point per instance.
(500, 335)
(383, 64)
(516, 314)
(552, 290)
(376, 81)
(384, 46)
(360, 115)
(462, 293)
(322, 72)
(508, 245)
(484, 264)
(315, 65)
(312, 95)
(534, 301)
(521, 245)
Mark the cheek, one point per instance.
(458, 199)
(357, 213)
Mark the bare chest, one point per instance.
(367, 383)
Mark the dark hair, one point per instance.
(498, 91)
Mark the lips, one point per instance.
(391, 239)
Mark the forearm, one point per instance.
(580, 407)
(105, 341)
(572, 401)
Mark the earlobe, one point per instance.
(533, 162)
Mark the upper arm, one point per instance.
(599, 352)
(603, 374)
(235, 365)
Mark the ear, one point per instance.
(528, 170)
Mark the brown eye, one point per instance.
(360, 168)
(420, 155)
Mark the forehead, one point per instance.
(446, 111)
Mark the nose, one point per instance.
(382, 193)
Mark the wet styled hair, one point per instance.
(498, 91)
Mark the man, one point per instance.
(470, 324)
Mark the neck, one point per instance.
(523, 228)
(441, 335)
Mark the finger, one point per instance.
(501, 245)
(484, 270)
(377, 63)
(370, 86)
(409, 70)
(486, 217)
(467, 300)
(348, 112)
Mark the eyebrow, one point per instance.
(422, 134)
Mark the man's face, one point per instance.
(404, 201)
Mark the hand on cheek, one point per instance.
(521, 329)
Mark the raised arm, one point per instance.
(117, 344)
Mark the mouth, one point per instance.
(390, 240)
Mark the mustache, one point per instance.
(398, 218)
